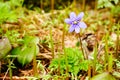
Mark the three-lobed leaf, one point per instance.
(26, 52)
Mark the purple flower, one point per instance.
(75, 22)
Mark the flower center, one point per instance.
(75, 22)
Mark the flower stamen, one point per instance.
(75, 22)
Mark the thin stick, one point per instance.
(6, 74)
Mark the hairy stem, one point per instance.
(10, 70)
(51, 41)
(117, 42)
(85, 56)
(52, 7)
(95, 60)
(35, 63)
(106, 51)
(63, 37)
(83, 6)
(41, 4)
(110, 63)
(66, 64)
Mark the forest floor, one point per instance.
(39, 25)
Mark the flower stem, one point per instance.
(63, 37)
(95, 7)
(85, 56)
(10, 69)
(66, 60)
(95, 59)
(52, 8)
(89, 70)
(83, 6)
(106, 51)
(74, 3)
(117, 42)
(110, 63)
(41, 4)
(35, 63)
(52, 44)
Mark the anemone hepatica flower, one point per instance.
(75, 22)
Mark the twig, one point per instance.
(5, 74)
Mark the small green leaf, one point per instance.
(27, 54)
(30, 39)
(16, 51)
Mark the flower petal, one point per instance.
(82, 25)
(80, 16)
(72, 15)
(77, 29)
(72, 28)
(68, 21)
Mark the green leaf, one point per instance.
(30, 39)
(16, 51)
(103, 76)
(26, 54)
(27, 51)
